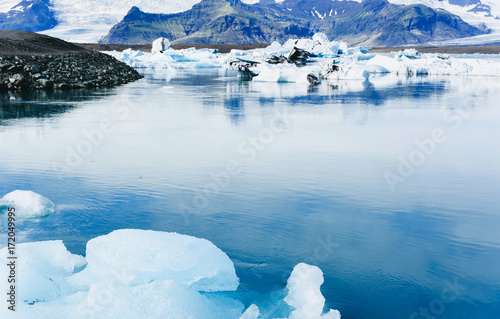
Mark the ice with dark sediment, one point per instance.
(300, 60)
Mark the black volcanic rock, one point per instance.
(30, 61)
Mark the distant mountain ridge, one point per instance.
(372, 22)
(375, 22)
(28, 15)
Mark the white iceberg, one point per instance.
(160, 45)
(304, 293)
(319, 45)
(158, 299)
(43, 269)
(144, 256)
(286, 72)
(273, 64)
(144, 274)
(27, 204)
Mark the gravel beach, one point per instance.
(31, 61)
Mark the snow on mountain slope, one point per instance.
(6, 5)
(281, 1)
(489, 18)
(89, 20)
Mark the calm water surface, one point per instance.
(277, 174)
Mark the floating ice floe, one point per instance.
(27, 204)
(188, 260)
(308, 61)
(43, 269)
(145, 274)
(304, 294)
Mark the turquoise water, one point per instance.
(390, 186)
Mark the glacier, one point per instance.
(490, 20)
(87, 21)
(133, 273)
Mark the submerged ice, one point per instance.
(132, 273)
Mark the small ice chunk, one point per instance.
(27, 204)
(304, 293)
(160, 45)
(143, 256)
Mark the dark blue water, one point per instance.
(391, 186)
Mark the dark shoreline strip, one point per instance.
(63, 71)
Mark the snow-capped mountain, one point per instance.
(91, 20)
(88, 20)
(373, 22)
(484, 14)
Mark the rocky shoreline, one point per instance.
(63, 71)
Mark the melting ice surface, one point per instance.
(143, 274)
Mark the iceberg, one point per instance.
(298, 60)
(304, 294)
(318, 45)
(144, 256)
(285, 73)
(159, 299)
(43, 269)
(132, 273)
(160, 45)
(27, 204)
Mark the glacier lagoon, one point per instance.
(390, 186)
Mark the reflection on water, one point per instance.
(42, 103)
(311, 188)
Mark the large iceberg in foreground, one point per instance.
(27, 204)
(43, 269)
(133, 273)
(190, 261)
